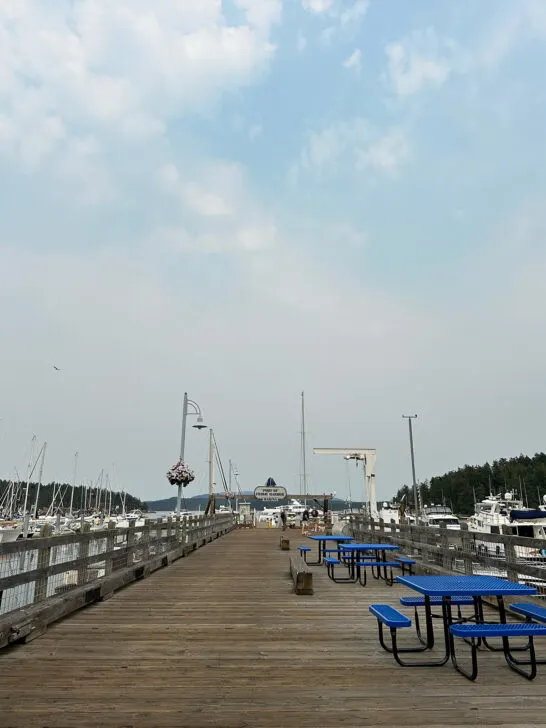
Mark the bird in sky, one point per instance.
(56, 368)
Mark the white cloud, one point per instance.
(346, 11)
(353, 61)
(101, 68)
(418, 61)
(424, 59)
(344, 14)
(82, 167)
(387, 153)
(354, 144)
(261, 14)
(302, 42)
(317, 6)
(351, 13)
(215, 210)
(207, 204)
(521, 23)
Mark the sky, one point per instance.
(244, 199)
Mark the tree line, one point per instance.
(461, 488)
(62, 492)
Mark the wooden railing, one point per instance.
(44, 579)
(441, 549)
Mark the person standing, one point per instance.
(283, 519)
(304, 522)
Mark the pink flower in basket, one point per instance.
(180, 474)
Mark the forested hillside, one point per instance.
(63, 491)
(523, 474)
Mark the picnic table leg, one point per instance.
(423, 639)
(352, 566)
(428, 623)
(502, 619)
(319, 554)
(397, 651)
(450, 640)
(382, 556)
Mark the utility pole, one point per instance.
(409, 418)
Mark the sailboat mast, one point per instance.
(74, 481)
(43, 452)
(29, 474)
(303, 448)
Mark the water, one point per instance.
(158, 515)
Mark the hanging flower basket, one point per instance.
(180, 474)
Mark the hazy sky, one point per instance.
(248, 198)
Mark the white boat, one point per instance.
(496, 511)
(226, 509)
(294, 510)
(10, 531)
(182, 514)
(391, 512)
(436, 515)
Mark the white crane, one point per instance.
(367, 457)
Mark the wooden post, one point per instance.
(285, 543)
(444, 544)
(393, 529)
(130, 544)
(510, 554)
(403, 529)
(44, 554)
(381, 530)
(466, 545)
(110, 542)
(83, 552)
(146, 539)
(190, 530)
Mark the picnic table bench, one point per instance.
(449, 591)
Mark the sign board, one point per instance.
(268, 493)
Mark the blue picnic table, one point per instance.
(446, 588)
(356, 552)
(321, 543)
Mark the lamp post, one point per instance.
(409, 418)
(199, 425)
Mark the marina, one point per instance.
(241, 649)
(272, 447)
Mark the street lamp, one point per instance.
(199, 425)
(409, 418)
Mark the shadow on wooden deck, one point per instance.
(219, 639)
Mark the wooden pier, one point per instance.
(220, 639)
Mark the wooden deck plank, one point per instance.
(219, 639)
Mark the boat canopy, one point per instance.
(527, 515)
